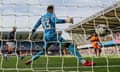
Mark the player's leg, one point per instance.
(12, 47)
(95, 51)
(9, 50)
(71, 48)
(20, 54)
(38, 54)
(97, 48)
(26, 53)
(47, 39)
(75, 52)
(5, 57)
(98, 51)
(17, 52)
(64, 51)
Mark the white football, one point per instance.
(69, 20)
(102, 29)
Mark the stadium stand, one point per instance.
(110, 43)
(109, 16)
(24, 44)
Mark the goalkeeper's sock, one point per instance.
(75, 52)
(83, 61)
(22, 57)
(5, 57)
(37, 55)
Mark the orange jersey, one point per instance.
(95, 40)
(95, 45)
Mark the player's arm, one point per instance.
(59, 21)
(36, 25)
(68, 20)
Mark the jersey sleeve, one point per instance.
(56, 20)
(37, 24)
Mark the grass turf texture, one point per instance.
(55, 63)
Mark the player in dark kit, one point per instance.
(11, 44)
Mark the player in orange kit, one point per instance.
(95, 43)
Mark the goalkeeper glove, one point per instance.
(33, 31)
(69, 20)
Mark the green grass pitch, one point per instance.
(59, 64)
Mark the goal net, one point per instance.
(87, 15)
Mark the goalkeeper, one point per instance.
(48, 22)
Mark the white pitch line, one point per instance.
(57, 67)
(81, 67)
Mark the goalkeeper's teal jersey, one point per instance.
(49, 22)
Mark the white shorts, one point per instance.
(11, 44)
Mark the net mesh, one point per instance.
(25, 13)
